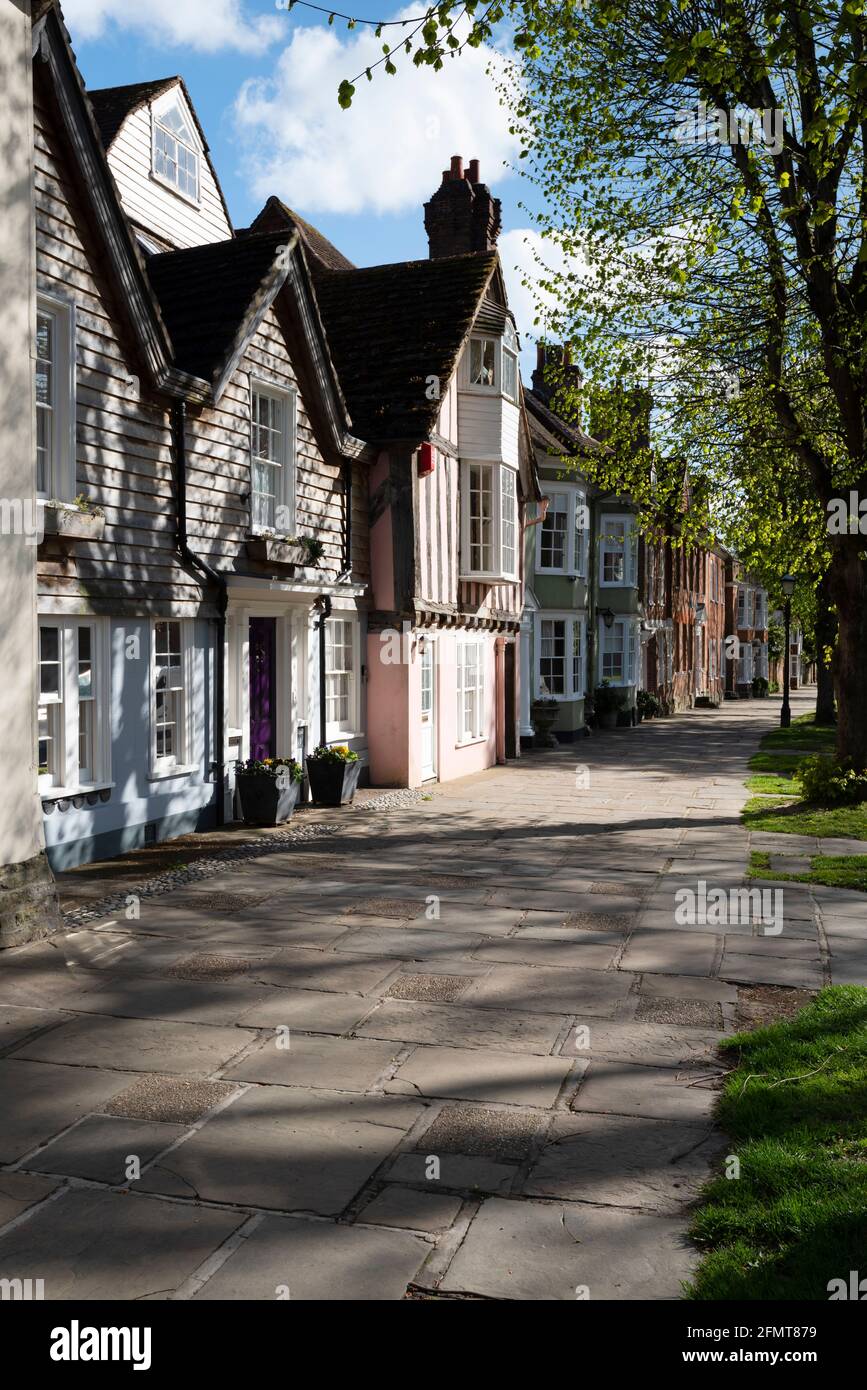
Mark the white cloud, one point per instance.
(529, 257)
(386, 153)
(204, 25)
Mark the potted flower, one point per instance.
(649, 706)
(268, 789)
(544, 715)
(333, 774)
(606, 703)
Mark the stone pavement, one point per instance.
(465, 1047)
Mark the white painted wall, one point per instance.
(20, 808)
(487, 427)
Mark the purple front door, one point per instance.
(263, 709)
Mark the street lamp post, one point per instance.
(787, 584)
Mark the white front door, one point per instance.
(428, 710)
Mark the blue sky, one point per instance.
(264, 85)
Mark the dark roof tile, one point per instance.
(207, 292)
(390, 328)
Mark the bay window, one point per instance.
(470, 687)
(74, 738)
(489, 522)
(170, 697)
(491, 363)
(560, 655)
(617, 551)
(618, 646)
(272, 421)
(561, 544)
(340, 678)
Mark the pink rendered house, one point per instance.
(426, 353)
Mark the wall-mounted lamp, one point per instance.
(607, 615)
(787, 584)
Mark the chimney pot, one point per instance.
(446, 175)
(461, 217)
(457, 171)
(473, 173)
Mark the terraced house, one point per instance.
(206, 517)
(432, 384)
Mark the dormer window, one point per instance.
(176, 147)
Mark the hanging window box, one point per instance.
(270, 550)
(73, 521)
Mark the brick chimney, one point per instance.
(461, 216)
(554, 369)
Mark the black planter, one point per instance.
(266, 800)
(544, 716)
(332, 784)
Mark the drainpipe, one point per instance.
(323, 603)
(347, 522)
(218, 581)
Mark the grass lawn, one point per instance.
(834, 870)
(767, 784)
(803, 732)
(789, 817)
(780, 762)
(795, 1111)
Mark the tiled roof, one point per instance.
(570, 437)
(318, 247)
(391, 328)
(112, 105)
(206, 293)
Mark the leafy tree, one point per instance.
(704, 167)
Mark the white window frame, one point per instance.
(61, 459)
(476, 734)
(505, 344)
(158, 108)
(576, 538)
(181, 761)
(574, 690)
(335, 732)
(630, 540)
(285, 493)
(631, 642)
(67, 701)
(498, 570)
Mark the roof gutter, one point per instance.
(217, 581)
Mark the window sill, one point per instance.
(80, 789)
(179, 770)
(488, 578)
(470, 742)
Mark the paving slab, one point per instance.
(38, 1100)
(412, 1210)
(124, 1044)
(688, 987)
(20, 1191)
(101, 1146)
(777, 970)
(18, 1024)
(538, 1250)
(848, 960)
(408, 943)
(331, 1064)
(592, 951)
(543, 989)
(650, 1044)
(456, 1172)
(621, 1161)
(476, 1074)
(671, 953)
(660, 1093)
(98, 1245)
(286, 1148)
(458, 1025)
(317, 1261)
(298, 968)
(183, 1001)
(310, 1010)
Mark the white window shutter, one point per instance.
(631, 649)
